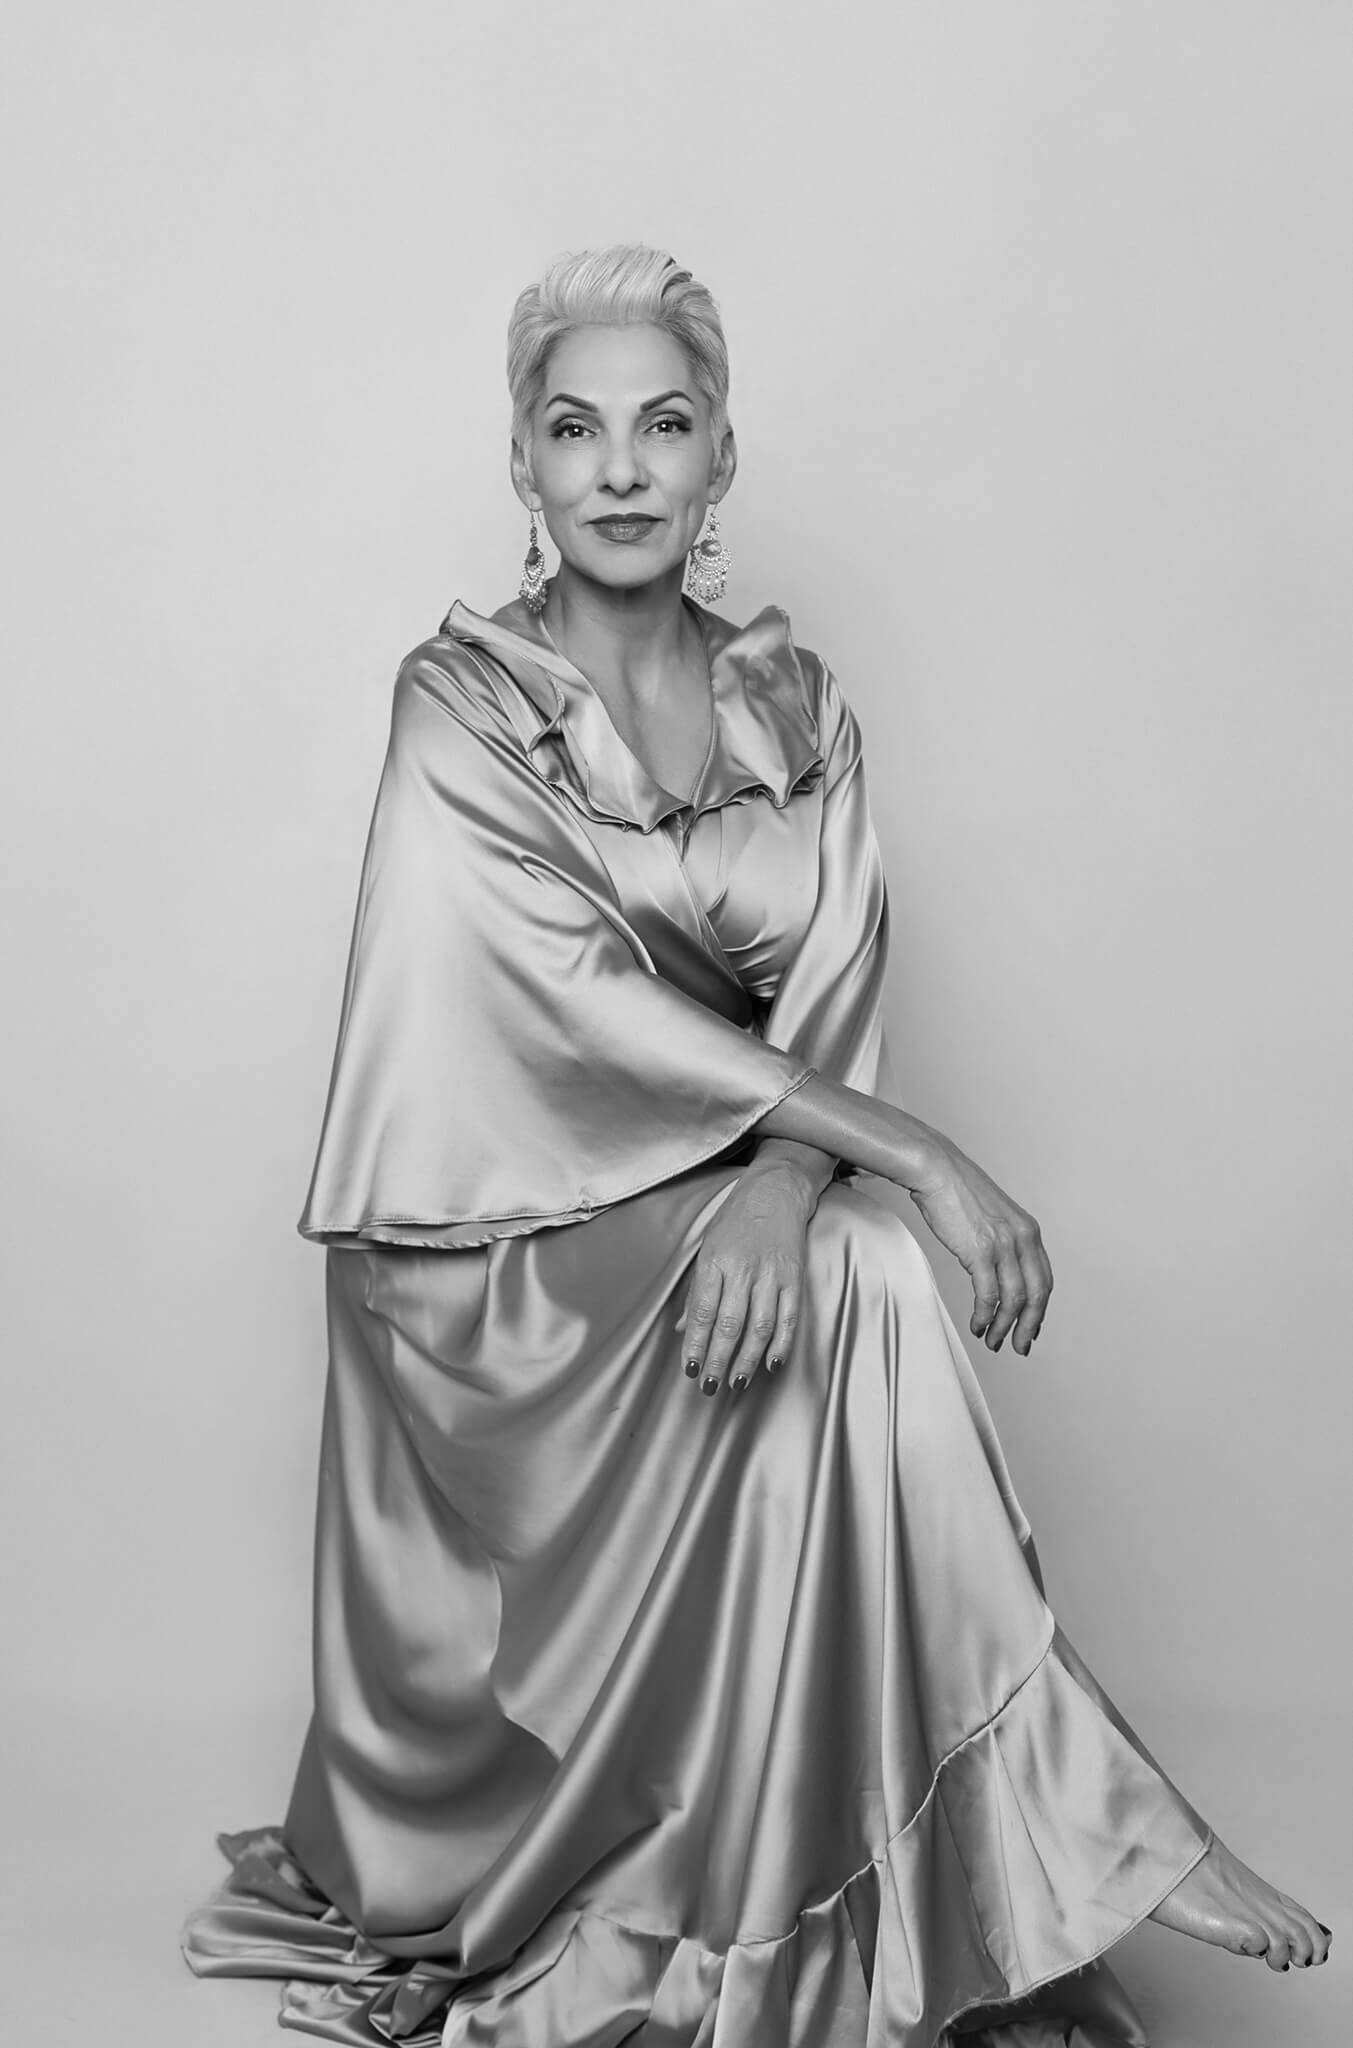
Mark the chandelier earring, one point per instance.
(708, 564)
(532, 589)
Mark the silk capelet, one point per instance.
(541, 1016)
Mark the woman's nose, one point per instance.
(622, 469)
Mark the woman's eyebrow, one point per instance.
(586, 405)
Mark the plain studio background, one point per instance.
(1041, 321)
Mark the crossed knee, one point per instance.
(854, 1242)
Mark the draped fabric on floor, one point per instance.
(642, 1716)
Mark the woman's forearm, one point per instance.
(851, 1125)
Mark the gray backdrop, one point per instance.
(1041, 321)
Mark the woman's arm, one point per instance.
(998, 1243)
(848, 1124)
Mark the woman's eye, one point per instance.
(667, 426)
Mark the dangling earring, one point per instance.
(533, 574)
(709, 564)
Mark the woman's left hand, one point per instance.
(746, 1288)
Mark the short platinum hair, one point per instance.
(625, 285)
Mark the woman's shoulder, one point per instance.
(766, 646)
(443, 686)
(772, 660)
(444, 669)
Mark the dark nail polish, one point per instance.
(709, 1386)
(1328, 1932)
(774, 1364)
(740, 1380)
(692, 1368)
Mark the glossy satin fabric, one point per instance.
(561, 990)
(640, 1716)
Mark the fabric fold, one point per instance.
(981, 1870)
(735, 1724)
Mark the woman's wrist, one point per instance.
(808, 1167)
(924, 1156)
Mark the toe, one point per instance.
(1278, 1955)
(1250, 1941)
(1298, 1948)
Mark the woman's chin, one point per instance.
(631, 571)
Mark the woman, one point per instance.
(682, 1668)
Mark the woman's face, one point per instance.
(621, 463)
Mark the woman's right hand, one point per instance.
(997, 1243)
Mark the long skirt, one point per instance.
(642, 1716)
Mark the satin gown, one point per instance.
(642, 1716)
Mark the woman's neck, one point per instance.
(629, 639)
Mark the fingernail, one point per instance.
(740, 1380)
(709, 1386)
(692, 1368)
(773, 1364)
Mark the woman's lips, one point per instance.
(637, 527)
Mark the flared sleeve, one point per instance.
(828, 1007)
(508, 1056)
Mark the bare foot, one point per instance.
(1223, 1901)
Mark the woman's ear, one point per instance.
(725, 466)
(523, 483)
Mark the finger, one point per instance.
(703, 1307)
(1037, 1287)
(786, 1323)
(986, 1293)
(1010, 1280)
(762, 1317)
(727, 1333)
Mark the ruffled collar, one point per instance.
(764, 739)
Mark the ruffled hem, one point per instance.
(1044, 1838)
